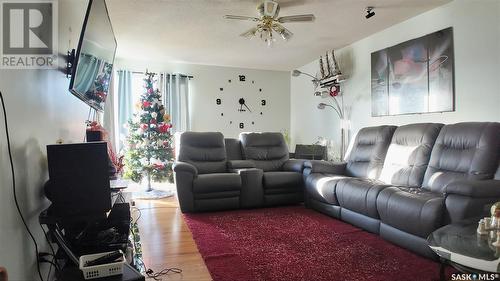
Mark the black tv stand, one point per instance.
(69, 257)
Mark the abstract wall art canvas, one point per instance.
(416, 76)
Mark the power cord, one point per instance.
(14, 188)
(52, 263)
(149, 272)
(48, 241)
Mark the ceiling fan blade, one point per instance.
(282, 31)
(297, 18)
(249, 33)
(233, 17)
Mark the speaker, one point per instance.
(78, 178)
(93, 136)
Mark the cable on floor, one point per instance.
(149, 272)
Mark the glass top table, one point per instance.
(460, 245)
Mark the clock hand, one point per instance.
(247, 107)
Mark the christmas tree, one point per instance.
(150, 152)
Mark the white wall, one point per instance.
(476, 31)
(40, 111)
(205, 89)
(307, 122)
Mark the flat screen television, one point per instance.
(93, 62)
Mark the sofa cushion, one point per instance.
(409, 153)
(216, 182)
(233, 149)
(359, 195)
(278, 180)
(413, 210)
(268, 150)
(204, 150)
(322, 187)
(366, 157)
(463, 151)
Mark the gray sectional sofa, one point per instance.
(399, 182)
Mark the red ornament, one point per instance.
(335, 91)
(144, 126)
(153, 121)
(162, 128)
(158, 166)
(146, 104)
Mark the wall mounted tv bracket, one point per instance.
(70, 60)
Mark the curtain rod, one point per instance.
(182, 75)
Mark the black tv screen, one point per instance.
(93, 64)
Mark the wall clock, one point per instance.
(241, 102)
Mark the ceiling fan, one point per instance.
(269, 23)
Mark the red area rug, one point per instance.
(294, 243)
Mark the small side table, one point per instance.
(460, 246)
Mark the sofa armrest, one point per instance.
(474, 188)
(294, 165)
(185, 175)
(240, 164)
(185, 167)
(319, 166)
(252, 192)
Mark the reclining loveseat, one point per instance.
(213, 173)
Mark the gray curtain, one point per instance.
(177, 101)
(124, 104)
(163, 84)
(88, 67)
(174, 89)
(108, 121)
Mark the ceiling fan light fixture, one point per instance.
(270, 22)
(250, 33)
(266, 35)
(286, 35)
(268, 8)
(283, 32)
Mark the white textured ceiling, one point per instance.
(194, 31)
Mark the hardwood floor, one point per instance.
(167, 242)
